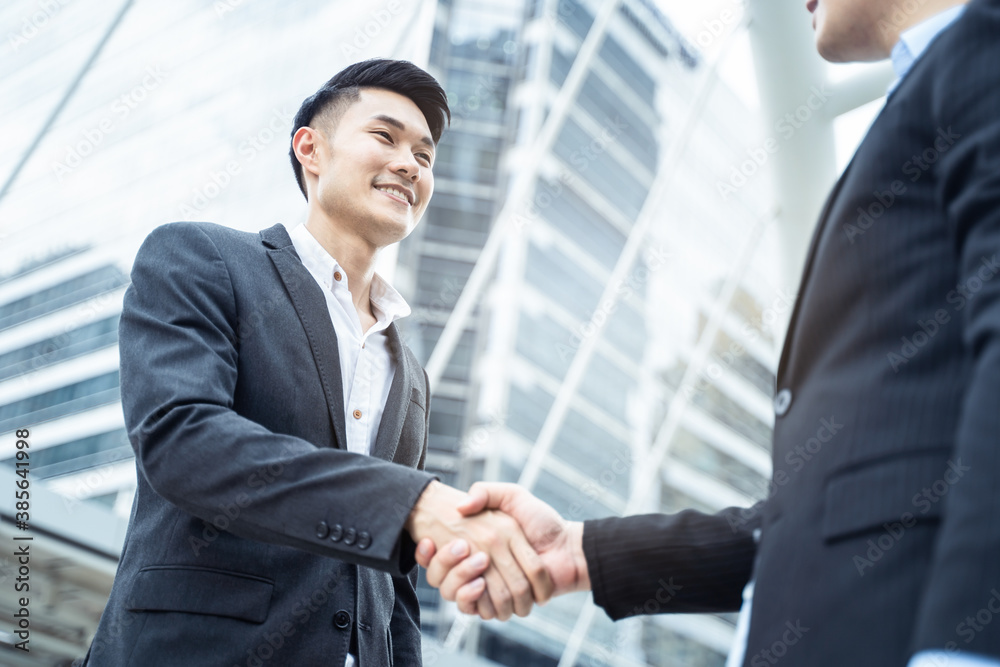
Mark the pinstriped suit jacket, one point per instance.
(882, 536)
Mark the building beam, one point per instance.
(795, 97)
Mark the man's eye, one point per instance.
(384, 134)
(424, 156)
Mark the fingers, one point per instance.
(425, 552)
(462, 574)
(484, 606)
(451, 555)
(500, 595)
(516, 596)
(467, 597)
(534, 570)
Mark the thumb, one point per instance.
(475, 500)
(501, 496)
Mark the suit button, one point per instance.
(342, 620)
(349, 536)
(782, 401)
(322, 530)
(336, 532)
(364, 539)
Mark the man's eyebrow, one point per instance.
(389, 120)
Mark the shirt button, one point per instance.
(337, 275)
(782, 401)
(336, 533)
(364, 539)
(342, 619)
(357, 414)
(349, 536)
(322, 530)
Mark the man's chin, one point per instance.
(835, 50)
(394, 232)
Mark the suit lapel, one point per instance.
(398, 402)
(310, 305)
(807, 271)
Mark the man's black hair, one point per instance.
(398, 76)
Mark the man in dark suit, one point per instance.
(279, 423)
(881, 542)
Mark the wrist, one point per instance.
(574, 532)
(416, 522)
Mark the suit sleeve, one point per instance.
(178, 347)
(670, 563)
(965, 572)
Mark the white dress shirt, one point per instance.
(911, 45)
(367, 365)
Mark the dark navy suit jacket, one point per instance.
(882, 537)
(256, 538)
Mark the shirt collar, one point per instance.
(388, 304)
(914, 41)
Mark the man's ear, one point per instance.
(306, 144)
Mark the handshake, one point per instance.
(496, 550)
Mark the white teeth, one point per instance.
(395, 193)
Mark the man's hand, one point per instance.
(514, 574)
(559, 544)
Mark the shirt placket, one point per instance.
(360, 403)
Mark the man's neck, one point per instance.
(899, 18)
(355, 256)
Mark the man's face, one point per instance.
(848, 30)
(375, 170)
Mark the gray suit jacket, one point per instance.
(882, 535)
(255, 536)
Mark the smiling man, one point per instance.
(882, 547)
(280, 424)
